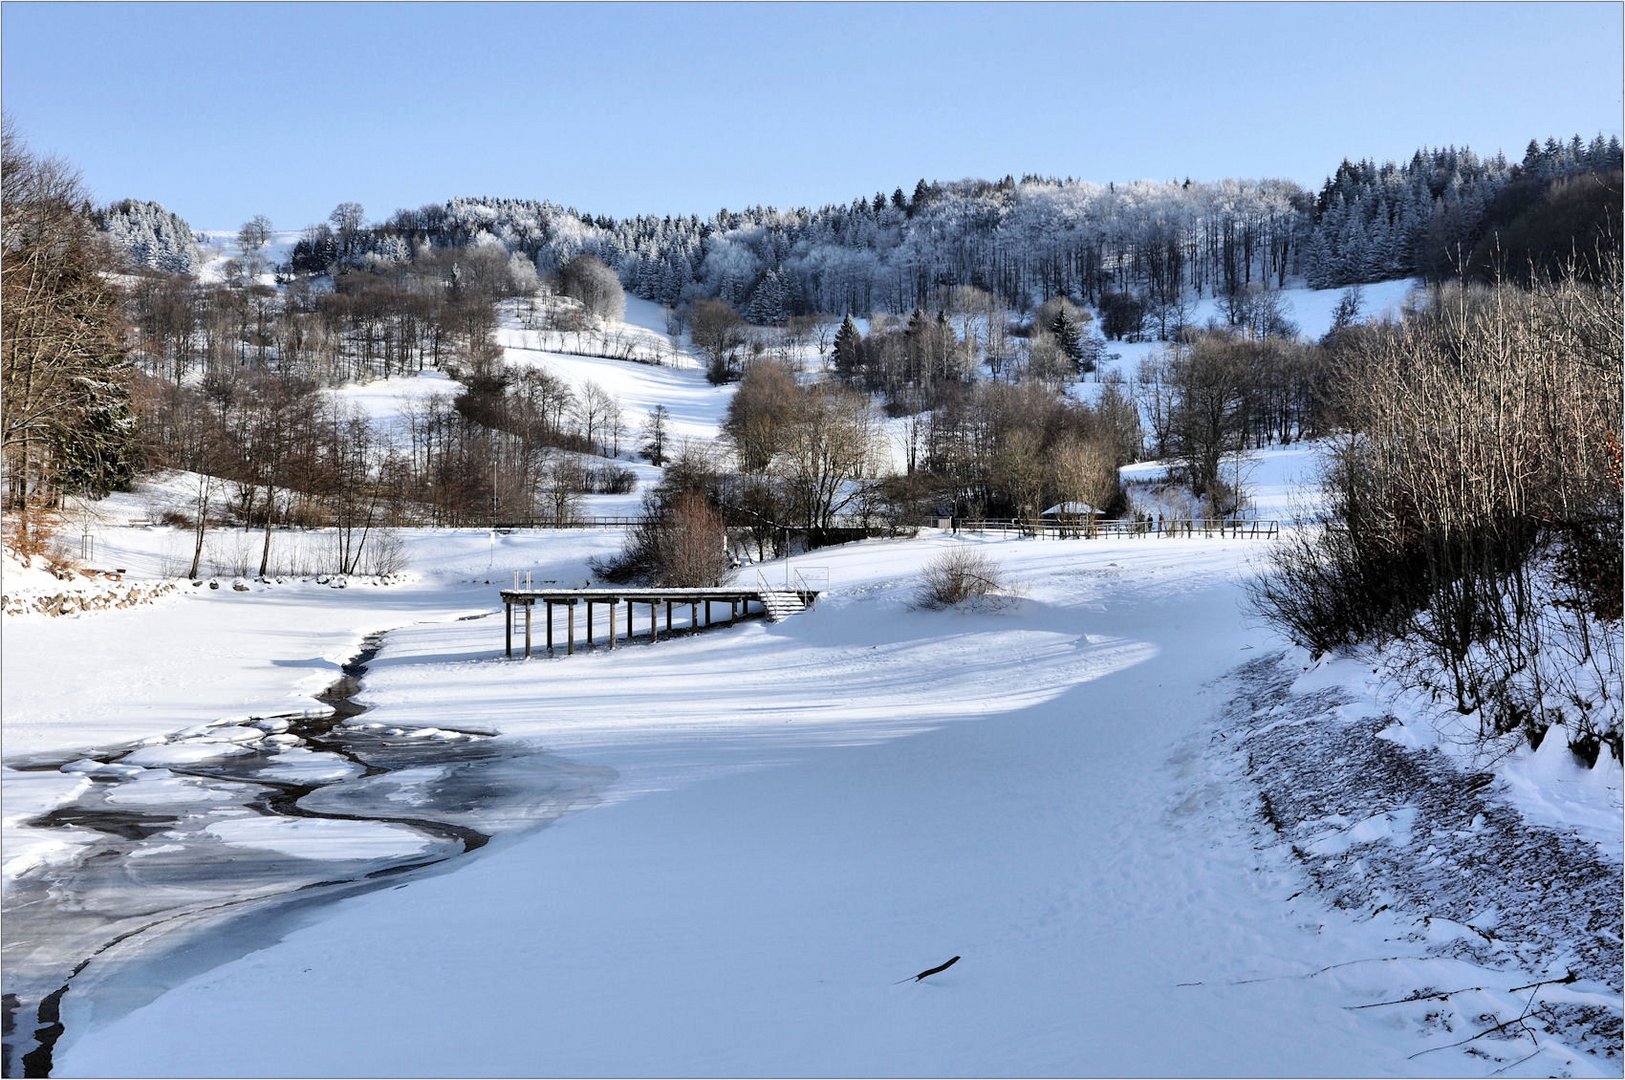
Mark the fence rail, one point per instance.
(1220, 528)
(570, 523)
(836, 525)
(1213, 528)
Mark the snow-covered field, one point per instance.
(756, 835)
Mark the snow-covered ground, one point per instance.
(220, 246)
(802, 815)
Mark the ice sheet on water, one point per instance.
(298, 765)
(189, 752)
(162, 788)
(323, 838)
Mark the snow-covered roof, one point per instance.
(1069, 508)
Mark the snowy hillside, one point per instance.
(220, 246)
(1310, 310)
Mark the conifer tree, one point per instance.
(848, 349)
(1066, 335)
(768, 304)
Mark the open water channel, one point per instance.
(212, 843)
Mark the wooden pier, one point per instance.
(772, 603)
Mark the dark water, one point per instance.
(156, 894)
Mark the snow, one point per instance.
(28, 795)
(385, 401)
(1309, 309)
(695, 406)
(795, 818)
(300, 766)
(220, 245)
(317, 838)
(189, 753)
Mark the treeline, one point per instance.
(108, 370)
(1475, 522)
(516, 447)
(1448, 214)
(1157, 244)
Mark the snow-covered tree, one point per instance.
(151, 236)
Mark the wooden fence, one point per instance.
(1163, 527)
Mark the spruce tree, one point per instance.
(1066, 335)
(848, 349)
(768, 305)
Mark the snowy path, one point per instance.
(779, 856)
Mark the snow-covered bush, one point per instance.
(960, 575)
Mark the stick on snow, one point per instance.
(929, 971)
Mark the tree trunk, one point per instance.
(270, 513)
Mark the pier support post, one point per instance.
(507, 627)
(550, 628)
(527, 630)
(570, 633)
(612, 626)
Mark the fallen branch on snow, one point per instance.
(929, 971)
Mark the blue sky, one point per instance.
(223, 111)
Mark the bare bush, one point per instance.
(960, 575)
(386, 555)
(1475, 515)
(611, 480)
(679, 543)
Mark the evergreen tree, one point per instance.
(848, 349)
(768, 304)
(1067, 338)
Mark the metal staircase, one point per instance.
(799, 591)
(781, 605)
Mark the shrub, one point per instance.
(610, 480)
(960, 575)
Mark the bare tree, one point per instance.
(679, 542)
(655, 435)
(252, 239)
(598, 413)
(1476, 519)
(588, 280)
(64, 381)
(833, 441)
(760, 411)
(718, 332)
(1084, 471)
